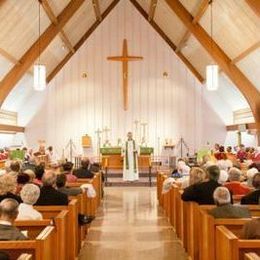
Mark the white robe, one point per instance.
(130, 174)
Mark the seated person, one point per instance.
(256, 155)
(83, 171)
(251, 229)
(29, 195)
(254, 196)
(15, 167)
(67, 167)
(224, 207)
(61, 185)
(234, 185)
(220, 154)
(202, 193)
(39, 171)
(49, 194)
(8, 187)
(22, 179)
(31, 174)
(8, 214)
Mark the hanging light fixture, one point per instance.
(39, 70)
(211, 70)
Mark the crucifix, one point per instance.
(125, 58)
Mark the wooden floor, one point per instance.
(130, 226)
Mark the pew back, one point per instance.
(41, 248)
(233, 248)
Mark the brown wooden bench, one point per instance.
(207, 231)
(71, 228)
(59, 221)
(40, 247)
(92, 203)
(230, 247)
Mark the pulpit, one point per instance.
(112, 159)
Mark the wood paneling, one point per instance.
(10, 80)
(245, 86)
(168, 41)
(81, 41)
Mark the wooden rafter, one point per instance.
(255, 6)
(54, 20)
(11, 128)
(8, 56)
(16, 73)
(249, 126)
(249, 91)
(246, 52)
(82, 40)
(201, 10)
(152, 8)
(96, 7)
(168, 41)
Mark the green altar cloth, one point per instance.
(117, 150)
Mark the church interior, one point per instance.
(130, 129)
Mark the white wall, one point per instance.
(173, 107)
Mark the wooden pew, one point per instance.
(41, 247)
(71, 227)
(59, 221)
(252, 256)
(207, 230)
(231, 247)
(82, 209)
(92, 203)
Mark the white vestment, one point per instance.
(129, 151)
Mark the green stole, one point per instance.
(126, 154)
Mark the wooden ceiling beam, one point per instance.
(168, 41)
(201, 11)
(82, 40)
(8, 56)
(54, 20)
(246, 52)
(97, 11)
(11, 128)
(255, 6)
(27, 60)
(152, 8)
(249, 126)
(249, 91)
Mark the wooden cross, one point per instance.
(125, 58)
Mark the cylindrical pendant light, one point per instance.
(212, 77)
(39, 73)
(39, 70)
(212, 70)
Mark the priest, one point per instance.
(130, 154)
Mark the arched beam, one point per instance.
(17, 72)
(249, 91)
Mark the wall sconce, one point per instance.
(165, 74)
(84, 75)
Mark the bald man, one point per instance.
(8, 214)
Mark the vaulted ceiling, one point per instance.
(184, 25)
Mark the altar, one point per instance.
(112, 159)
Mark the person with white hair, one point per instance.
(250, 175)
(29, 195)
(224, 208)
(234, 185)
(223, 177)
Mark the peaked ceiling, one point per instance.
(183, 24)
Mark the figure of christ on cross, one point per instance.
(125, 58)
